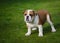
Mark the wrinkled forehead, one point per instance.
(28, 12)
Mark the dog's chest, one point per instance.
(35, 22)
(36, 19)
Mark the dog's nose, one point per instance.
(27, 18)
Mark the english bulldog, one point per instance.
(36, 19)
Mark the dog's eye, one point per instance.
(30, 14)
(25, 14)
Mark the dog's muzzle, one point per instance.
(27, 18)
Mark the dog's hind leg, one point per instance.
(50, 22)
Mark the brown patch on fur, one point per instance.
(31, 13)
(25, 12)
(42, 16)
(41, 13)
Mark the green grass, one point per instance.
(13, 27)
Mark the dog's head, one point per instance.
(29, 15)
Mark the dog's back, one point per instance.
(42, 16)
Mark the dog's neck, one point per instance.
(35, 20)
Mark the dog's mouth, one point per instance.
(27, 18)
(28, 21)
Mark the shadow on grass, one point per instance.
(48, 28)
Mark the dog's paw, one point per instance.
(40, 35)
(27, 34)
(54, 30)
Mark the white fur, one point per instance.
(29, 31)
(29, 25)
(35, 24)
(30, 19)
(40, 30)
(51, 24)
(36, 19)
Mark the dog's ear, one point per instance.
(35, 13)
(24, 11)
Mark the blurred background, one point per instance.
(13, 27)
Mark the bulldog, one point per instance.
(35, 20)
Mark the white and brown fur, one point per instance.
(37, 19)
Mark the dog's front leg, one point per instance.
(40, 31)
(29, 31)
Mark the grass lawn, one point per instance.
(13, 27)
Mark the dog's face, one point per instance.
(29, 15)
